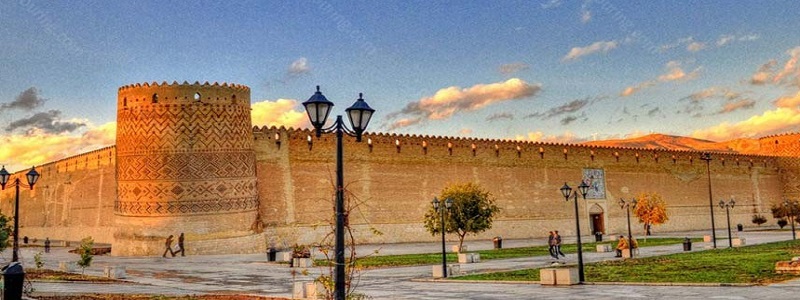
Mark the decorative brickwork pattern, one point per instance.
(185, 207)
(184, 149)
(187, 166)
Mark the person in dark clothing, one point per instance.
(180, 245)
(557, 237)
(551, 242)
(47, 245)
(168, 244)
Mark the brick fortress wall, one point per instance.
(196, 166)
(396, 177)
(73, 199)
(787, 149)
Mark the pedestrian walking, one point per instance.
(180, 245)
(551, 242)
(557, 237)
(47, 245)
(168, 245)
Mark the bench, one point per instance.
(451, 270)
(468, 258)
(558, 276)
(114, 272)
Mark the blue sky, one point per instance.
(534, 70)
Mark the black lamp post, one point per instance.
(447, 204)
(318, 108)
(727, 206)
(567, 192)
(707, 157)
(32, 176)
(627, 206)
(791, 205)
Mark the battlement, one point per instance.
(390, 144)
(152, 94)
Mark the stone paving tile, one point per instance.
(250, 274)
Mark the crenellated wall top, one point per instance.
(431, 142)
(184, 84)
(151, 95)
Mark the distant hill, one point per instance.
(671, 142)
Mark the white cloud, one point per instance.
(299, 66)
(508, 69)
(596, 47)
(726, 39)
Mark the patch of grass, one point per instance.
(53, 275)
(379, 261)
(751, 264)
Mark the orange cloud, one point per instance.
(449, 101)
(596, 47)
(538, 136)
(636, 88)
(674, 73)
(790, 74)
(785, 117)
(695, 46)
(280, 112)
(25, 150)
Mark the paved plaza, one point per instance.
(252, 274)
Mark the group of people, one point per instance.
(623, 244)
(554, 241)
(169, 246)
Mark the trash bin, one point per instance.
(498, 242)
(598, 236)
(13, 277)
(271, 253)
(739, 227)
(687, 244)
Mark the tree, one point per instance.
(472, 211)
(650, 210)
(785, 211)
(759, 219)
(5, 231)
(353, 270)
(85, 251)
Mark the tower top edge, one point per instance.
(175, 84)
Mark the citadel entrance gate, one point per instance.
(596, 215)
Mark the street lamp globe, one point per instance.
(448, 203)
(33, 176)
(359, 114)
(566, 191)
(318, 108)
(4, 175)
(583, 188)
(435, 203)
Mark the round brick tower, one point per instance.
(185, 163)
